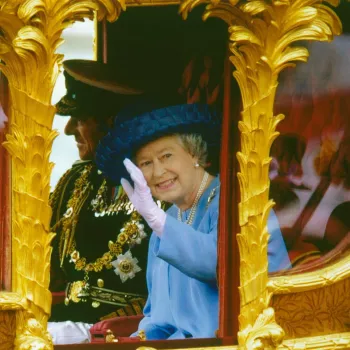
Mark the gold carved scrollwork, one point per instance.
(130, 3)
(326, 342)
(323, 277)
(317, 312)
(263, 36)
(262, 33)
(30, 33)
(7, 329)
(30, 332)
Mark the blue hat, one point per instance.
(130, 134)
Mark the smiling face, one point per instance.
(87, 133)
(170, 171)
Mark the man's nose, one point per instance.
(70, 127)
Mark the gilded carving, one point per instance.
(7, 329)
(30, 333)
(152, 2)
(30, 33)
(313, 303)
(262, 34)
(12, 301)
(316, 312)
(326, 276)
(326, 342)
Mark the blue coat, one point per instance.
(181, 272)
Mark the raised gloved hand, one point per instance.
(141, 198)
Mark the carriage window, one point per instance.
(98, 272)
(310, 171)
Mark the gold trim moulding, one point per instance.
(311, 280)
(134, 3)
(231, 347)
(12, 301)
(323, 342)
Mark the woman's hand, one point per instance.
(141, 198)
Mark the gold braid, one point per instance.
(58, 195)
(58, 189)
(127, 234)
(74, 205)
(131, 232)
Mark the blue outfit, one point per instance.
(183, 300)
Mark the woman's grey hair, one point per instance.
(195, 146)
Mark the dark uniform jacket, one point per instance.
(89, 238)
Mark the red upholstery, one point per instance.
(58, 297)
(120, 326)
(302, 252)
(334, 255)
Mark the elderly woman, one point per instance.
(169, 148)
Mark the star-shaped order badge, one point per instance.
(134, 231)
(126, 266)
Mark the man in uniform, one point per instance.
(99, 253)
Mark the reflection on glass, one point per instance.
(310, 171)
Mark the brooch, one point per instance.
(211, 196)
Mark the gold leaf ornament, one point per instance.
(32, 334)
(32, 46)
(264, 334)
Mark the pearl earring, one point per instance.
(196, 165)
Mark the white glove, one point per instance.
(141, 198)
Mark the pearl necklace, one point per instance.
(194, 205)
